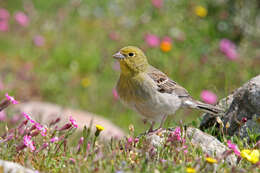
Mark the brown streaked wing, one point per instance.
(165, 84)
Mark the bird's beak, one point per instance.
(118, 55)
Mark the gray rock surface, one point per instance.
(209, 144)
(155, 140)
(243, 103)
(46, 112)
(11, 167)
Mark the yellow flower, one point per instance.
(251, 155)
(100, 128)
(112, 162)
(201, 11)
(211, 160)
(131, 128)
(227, 125)
(85, 82)
(166, 46)
(190, 170)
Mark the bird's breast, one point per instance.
(142, 95)
(133, 89)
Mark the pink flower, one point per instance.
(184, 148)
(244, 120)
(11, 99)
(39, 40)
(157, 3)
(2, 116)
(28, 142)
(208, 97)
(28, 117)
(54, 139)
(233, 147)
(41, 128)
(4, 14)
(72, 161)
(88, 146)
(163, 160)
(4, 26)
(43, 131)
(177, 133)
(65, 127)
(115, 94)
(81, 140)
(152, 40)
(232, 54)
(225, 44)
(21, 18)
(33, 133)
(130, 140)
(228, 48)
(73, 122)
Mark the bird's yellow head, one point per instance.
(132, 60)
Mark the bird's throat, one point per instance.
(131, 69)
(125, 69)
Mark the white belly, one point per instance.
(159, 105)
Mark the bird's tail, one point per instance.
(191, 103)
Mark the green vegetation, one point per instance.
(51, 149)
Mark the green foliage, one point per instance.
(93, 154)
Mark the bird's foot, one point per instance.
(158, 130)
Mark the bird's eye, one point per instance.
(131, 54)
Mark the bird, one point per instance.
(149, 91)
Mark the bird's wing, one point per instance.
(165, 84)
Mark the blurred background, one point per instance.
(61, 51)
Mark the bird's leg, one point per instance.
(162, 122)
(151, 127)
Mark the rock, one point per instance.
(85, 118)
(155, 140)
(209, 144)
(41, 111)
(242, 104)
(46, 112)
(11, 167)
